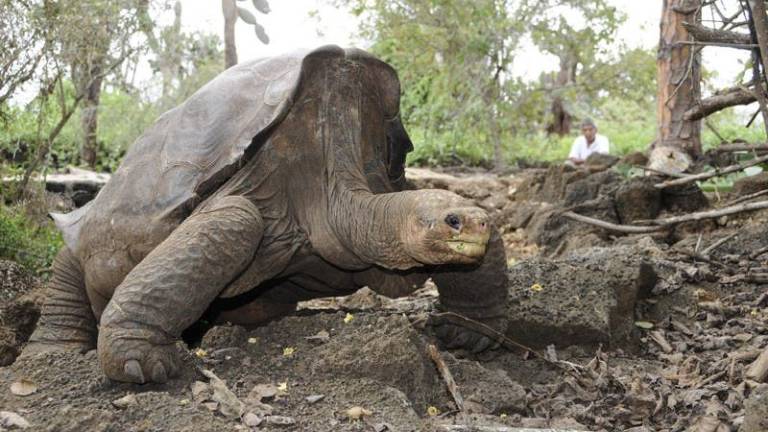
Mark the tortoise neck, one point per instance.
(373, 226)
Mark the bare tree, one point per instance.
(231, 12)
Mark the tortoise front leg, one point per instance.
(172, 287)
(478, 292)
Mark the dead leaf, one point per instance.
(312, 399)
(357, 412)
(23, 387)
(645, 325)
(125, 401)
(229, 404)
(10, 419)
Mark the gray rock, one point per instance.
(638, 199)
(588, 297)
(684, 198)
(549, 229)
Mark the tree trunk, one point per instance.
(90, 112)
(679, 79)
(561, 118)
(229, 9)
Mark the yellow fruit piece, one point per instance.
(252, 340)
(537, 287)
(283, 386)
(348, 319)
(201, 352)
(432, 411)
(288, 351)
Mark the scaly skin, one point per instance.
(478, 292)
(66, 320)
(171, 288)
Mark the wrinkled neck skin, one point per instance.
(375, 227)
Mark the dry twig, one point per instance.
(506, 342)
(660, 224)
(716, 173)
(447, 376)
(708, 250)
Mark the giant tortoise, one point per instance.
(281, 180)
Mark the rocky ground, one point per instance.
(662, 331)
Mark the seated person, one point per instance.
(589, 142)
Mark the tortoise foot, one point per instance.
(37, 347)
(137, 355)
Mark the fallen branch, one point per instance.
(628, 229)
(447, 376)
(502, 339)
(748, 197)
(717, 244)
(716, 173)
(712, 214)
(660, 224)
(730, 148)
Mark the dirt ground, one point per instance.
(360, 363)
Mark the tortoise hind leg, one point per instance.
(172, 287)
(66, 320)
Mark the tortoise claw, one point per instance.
(159, 375)
(133, 371)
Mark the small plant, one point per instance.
(33, 245)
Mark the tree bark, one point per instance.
(90, 113)
(679, 79)
(229, 9)
(760, 55)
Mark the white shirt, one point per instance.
(580, 149)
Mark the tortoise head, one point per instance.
(444, 228)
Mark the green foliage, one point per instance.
(460, 102)
(30, 244)
(731, 127)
